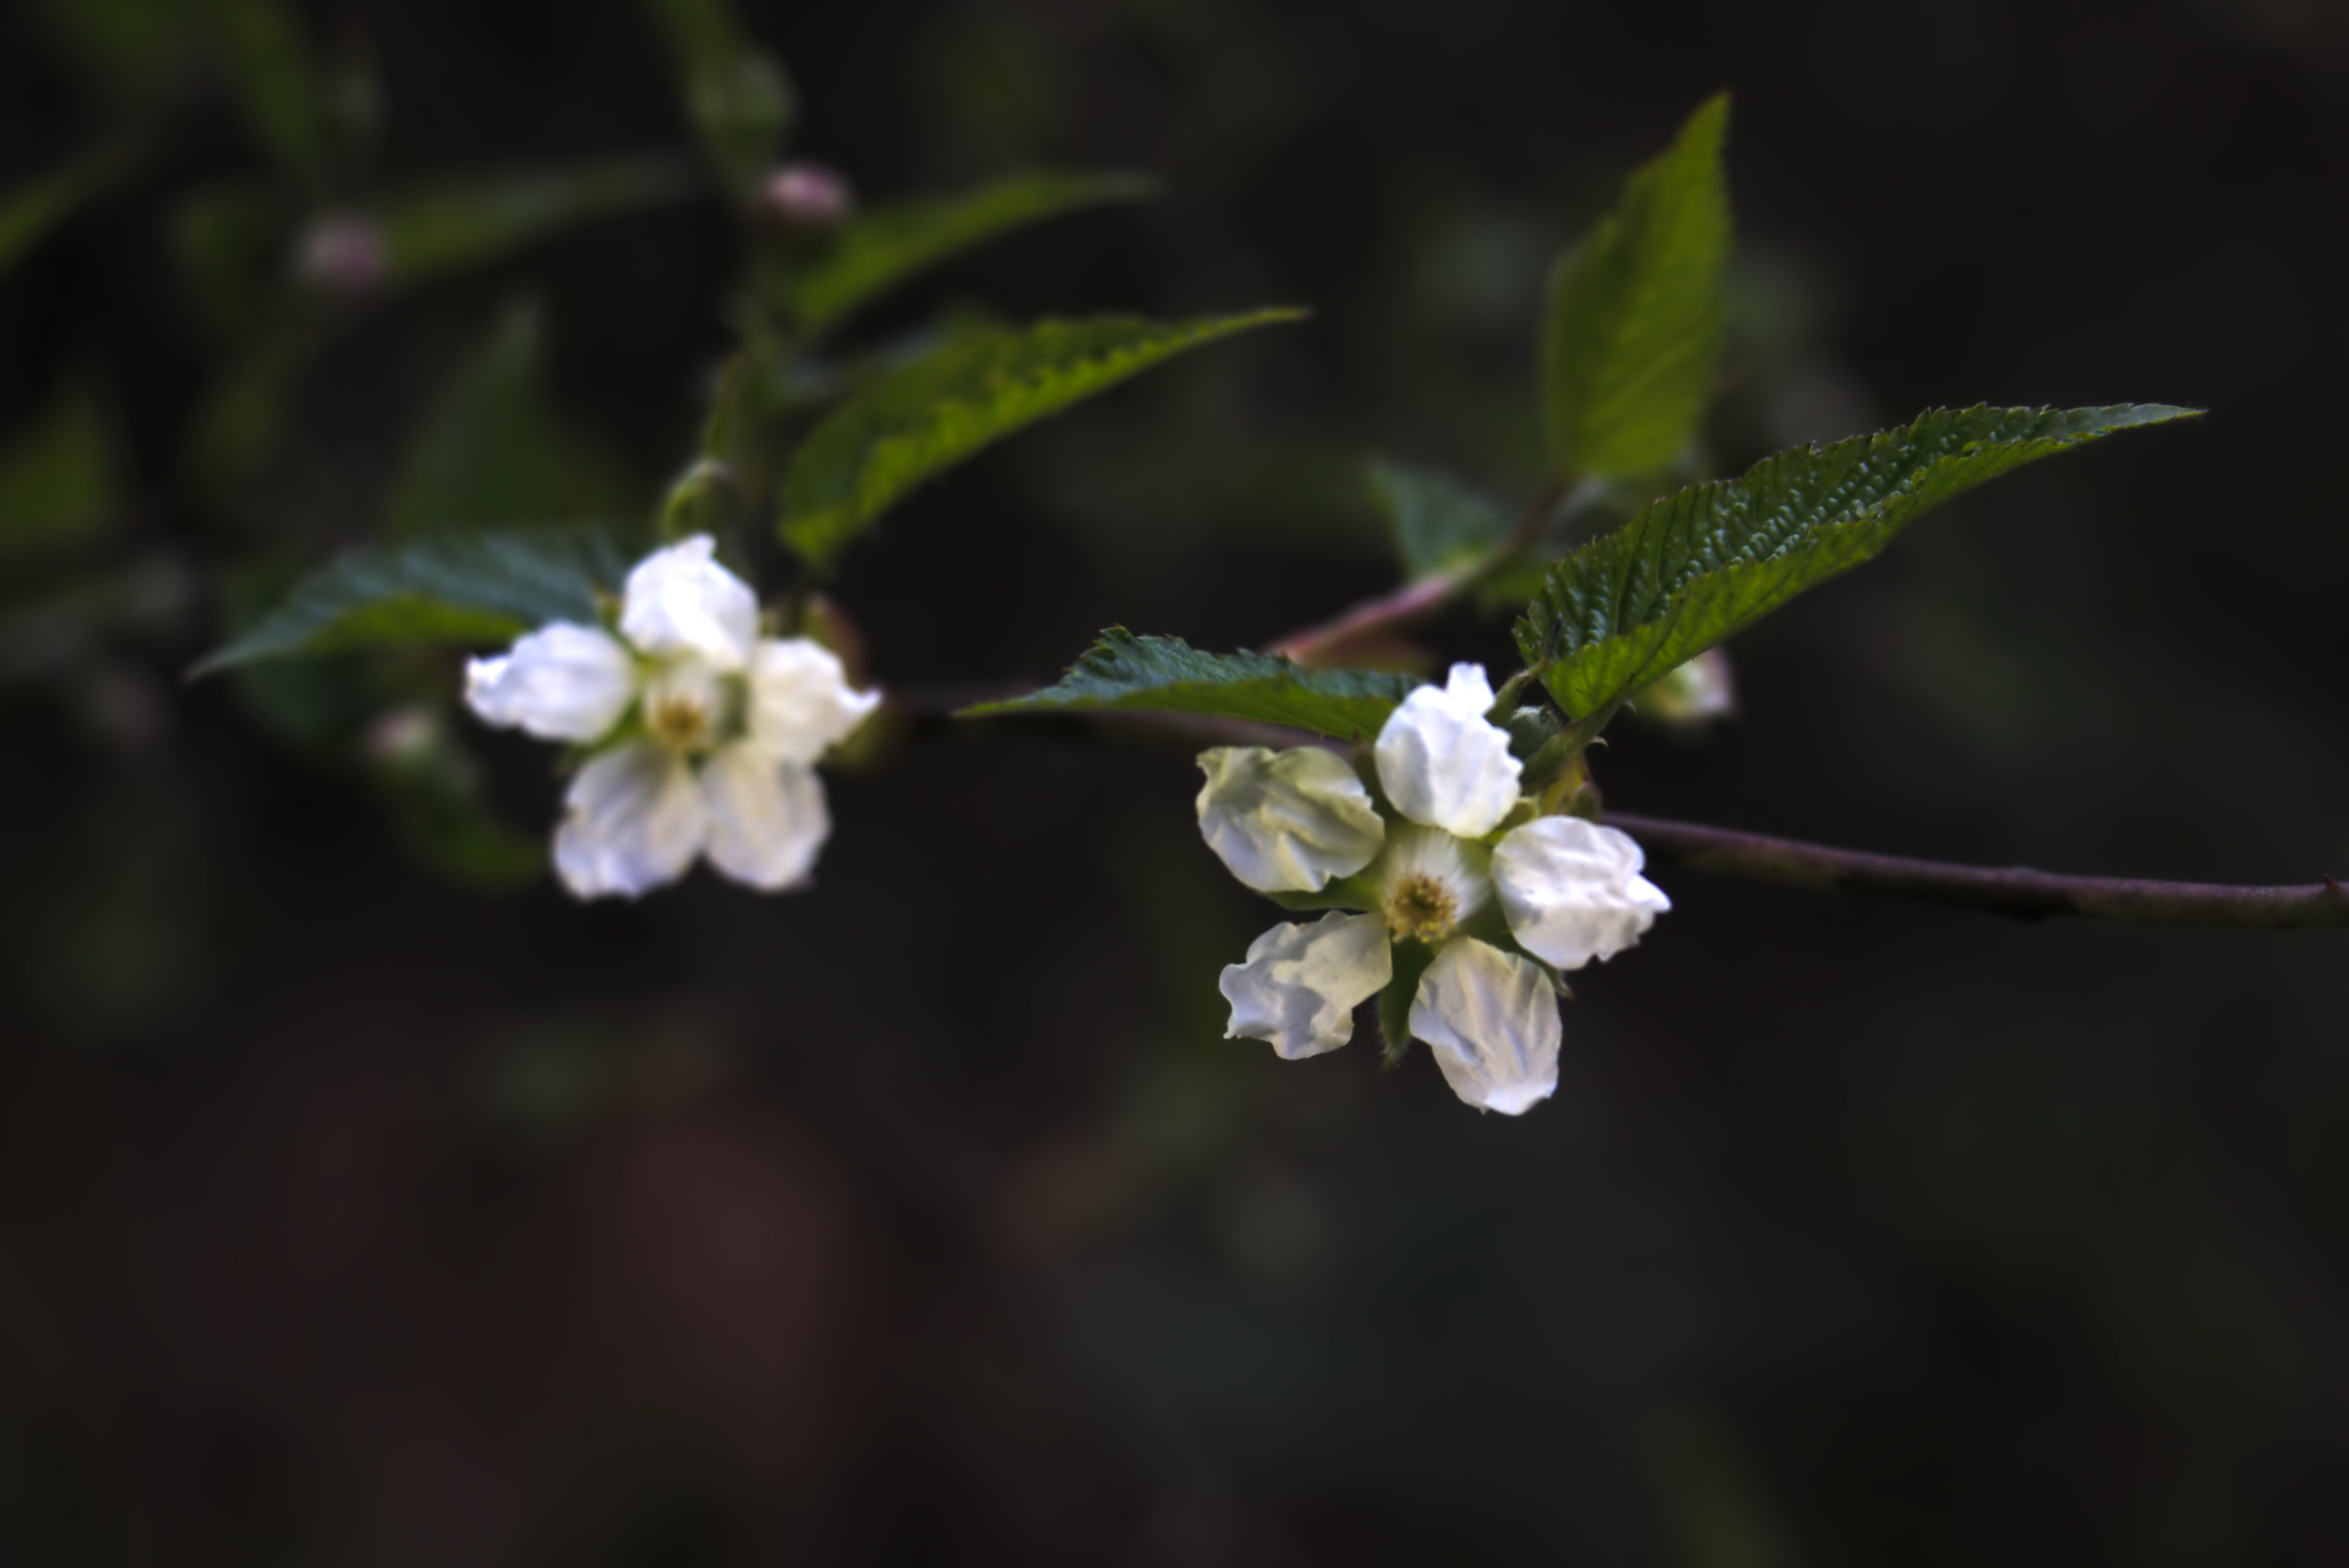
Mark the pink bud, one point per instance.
(807, 195)
(344, 256)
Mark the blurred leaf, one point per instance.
(244, 413)
(739, 98)
(448, 224)
(56, 482)
(485, 588)
(1166, 675)
(1633, 328)
(432, 786)
(232, 239)
(28, 214)
(1697, 566)
(1439, 523)
(971, 392)
(882, 248)
(280, 88)
(125, 49)
(492, 451)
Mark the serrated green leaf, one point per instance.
(56, 478)
(446, 225)
(739, 98)
(1439, 524)
(29, 214)
(484, 588)
(970, 392)
(280, 89)
(1166, 675)
(879, 249)
(492, 451)
(1633, 331)
(1700, 565)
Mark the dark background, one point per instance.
(351, 1216)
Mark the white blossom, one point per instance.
(1432, 864)
(1301, 984)
(1572, 889)
(705, 735)
(1491, 1018)
(1287, 821)
(1443, 763)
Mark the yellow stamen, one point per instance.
(1419, 907)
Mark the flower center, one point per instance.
(1421, 908)
(677, 722)
(685, 705)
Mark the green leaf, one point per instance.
(1439, 523)
(1633, 328)
(28, 214)
(1165, 674)
(492, 451)
(57, 479)
(451, 224)
(739, 98)
(881, 249)
(972, 391)
(482, 589)
(1700, 565)
(279, 87)
(1411, 962)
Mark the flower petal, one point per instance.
(1443, 763)
(1491, 1019)
(800, 702)
(1287, 821)
(680, 601)
(634, 820)
(562, 682)
(1301, 984)
(1572, 889)
(767, 818)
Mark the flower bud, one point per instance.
(807, 196)
(1692, 695)
(344, 256)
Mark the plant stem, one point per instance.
(2014, 891)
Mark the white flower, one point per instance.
(706, 736)
(1476, 906)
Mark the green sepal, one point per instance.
(1411, 962)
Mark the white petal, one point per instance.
(1301, 984)
(767, 818)
(1287, 821)
(680, 601)
(1572, 889)
(800, 702)
(562, 682)
(634, 820)
(1442, 763)
(1491, 1018)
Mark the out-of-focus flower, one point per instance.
(1692, 695)
(1464, 888)
(704, 736)
(807, 195)
(344, 255)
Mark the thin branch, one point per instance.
(2014, 891)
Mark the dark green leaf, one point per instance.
(29, 214)
(128, 51)
(231, 239)
(1439, 523)
(482, 589)
(879, 249)
(739, 98)
(1698, 566)
(57, 479)
(970, 393)
(1166, 675)
(279, 87)
(1634, 327)
(450, 224)
(492, 451)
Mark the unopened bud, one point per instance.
(807, 196)
(1692, 695)
(344, 256)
